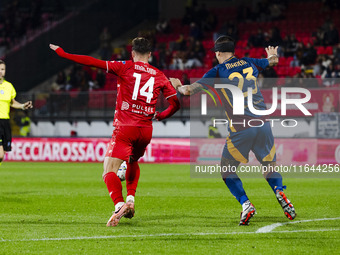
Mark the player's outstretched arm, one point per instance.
(186, 90)
(16, 105)
(80, 59)
(272, 56)
(173, 107)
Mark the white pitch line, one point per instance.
(271, 227)
(163, 234)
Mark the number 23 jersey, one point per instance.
(139, 85)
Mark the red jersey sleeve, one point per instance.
(116, 67)
(168, 90)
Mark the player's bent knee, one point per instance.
(268, 167)
(228, 166)
(111, 165)
(2, 156)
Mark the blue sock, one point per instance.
(236, 188)
(274, 180)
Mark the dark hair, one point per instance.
(2, 62)
(141, 45)
(225, 44)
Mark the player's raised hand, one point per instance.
(271, 51)
(175, 82)
(272, 56)
(54, 47)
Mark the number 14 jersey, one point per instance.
(139, 85)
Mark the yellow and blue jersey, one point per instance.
(242, 138)
(7, 93)
(243, 74)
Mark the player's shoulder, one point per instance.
(249, 60)
(8, 84)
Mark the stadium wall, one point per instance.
(306, 128)
(174, 150)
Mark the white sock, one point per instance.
(245, 205)
(118, 205)
(130, 198)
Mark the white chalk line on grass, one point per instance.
(271, 227)
(162, 235)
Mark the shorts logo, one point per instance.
(125, 106)
(2, 92)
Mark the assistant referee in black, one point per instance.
(7, 95)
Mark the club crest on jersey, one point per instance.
(2, 92)
(125, 105)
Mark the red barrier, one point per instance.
(163, 150)
(92, 150)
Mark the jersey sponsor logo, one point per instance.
(141, 108)
(125, 105)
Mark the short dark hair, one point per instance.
(225, 39)
(141, 45)
(2, 62)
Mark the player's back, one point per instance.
(241, 73)
(139, 85)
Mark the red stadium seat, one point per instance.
(329, 50)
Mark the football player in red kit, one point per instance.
(139, 85)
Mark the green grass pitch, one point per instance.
(62, 208)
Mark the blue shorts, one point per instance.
(258, 139)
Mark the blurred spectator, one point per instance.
(331, 35)
(195, 31)
(309, 55)
(25, 124)
(319, 37)
(270, 77)
(330, 75)
(163, 26)
(298, 55)
(185, 79)
(228, 28)
(274, 37)
(164, 57)
(318, 68)
(105, 50)
(153, 60)
(179, 44)
(330, 72)
(326, 61)
(243, 13)
(256, 40)
(195, 55)
(260, 80)
(100, 78)
(275, 11)
(60, 82)
(210, 23)
(290, 45)
(176, 62)
(337, 54)
(188, 16)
